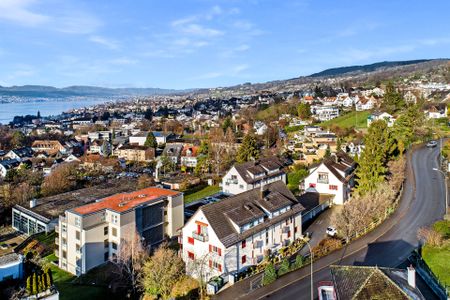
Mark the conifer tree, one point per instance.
(150, 141)
(248, 150)
(28, 288)
(270, 274)
(48, 279)
(34, 285)
(393, 100)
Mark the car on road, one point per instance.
(331, 231)
(431, 144)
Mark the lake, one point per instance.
(46, 107)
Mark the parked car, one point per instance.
(331, 231)
(431, 144)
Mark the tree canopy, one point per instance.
(304, 110)
(248, 150)
(150, 141)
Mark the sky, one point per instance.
(204, 43)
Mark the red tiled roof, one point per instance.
(124, 201)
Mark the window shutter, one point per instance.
(220, 268)
(210, 263)
(219, 251)
(210, 247)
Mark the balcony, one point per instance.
(57, 228)
(57, 241)
(322, 180)
(62, 219)
(202, 237)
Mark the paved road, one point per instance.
(389, 245)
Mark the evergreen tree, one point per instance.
(40, 285)
(284, 267)
(393, 100)
(248, 150)
(148, 114)
(34, 285)
(408, 125)
(299, 261)
(270, 274)
(372, 162)
(304, 111)
(28, 288)
(204, 148)
(150, 142)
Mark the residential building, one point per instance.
(102, 147)
(41, 215)
(366, 282)
(189, 156)
(163, 137)
(436, 111)
(91, 234)
(250, 175)
(237, 232)
(173, 152)
(139, 138)
(388, 118)
(8, 165)
(260, 127)
(333, 176)
(48, 146)
(324, 113)
(20, 154)
(135, 153)
(364, 104)
(11, 266)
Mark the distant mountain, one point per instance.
(366, 68)
(52, 92)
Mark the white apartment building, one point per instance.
(230, 235)
(325, 113)
(250, 175)
(91, 234)
(388, 118)
(333, 176)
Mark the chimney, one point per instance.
(32, 203)
(412, 276)
(261, 190)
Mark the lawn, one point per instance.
(205, 192)
(68, 291)
(357, 119)
(438, 259)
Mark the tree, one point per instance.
(62, 179)
(167, 164)
(18, 139)
(48, 278)
(130, 260)
(28, 288)
(304, 111)
(249, 149)
(299, 261)
(34, 285)
(408, 126)
(393, 100)
(318, 92)
(185, 288)
(270, 274)
(150, 142)
(284, 267)
(161, 272)
(372, 162)
(227, 123)
(145, 181)
(229, 136)
(148, 114)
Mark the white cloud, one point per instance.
(108, 43)
(19, 11)
(199, 30)
(76, 23)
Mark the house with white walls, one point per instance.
(250, 175)
(388, 118)
(333, 176)
(237, 232)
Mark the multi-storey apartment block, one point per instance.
(250, 175)
(91, 234)
(237, 232)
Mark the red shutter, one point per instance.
(210, 247)
(191, 240)
(220, 268)
(210, 263)
(199, 228)
(244, 243)
(219, 251)
(244, 259)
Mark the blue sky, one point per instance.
(203, 43)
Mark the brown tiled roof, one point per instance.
(246, 207)
(361, 282)
(260, 166)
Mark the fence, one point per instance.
(424, 271)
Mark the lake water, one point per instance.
(46, 107)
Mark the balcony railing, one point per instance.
(322, 181)
(57, 241)
(57, 228)
(200, 236)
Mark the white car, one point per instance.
(331, 231)
(431, 144)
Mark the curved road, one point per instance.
(388, 245)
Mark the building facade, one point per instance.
(91, 234)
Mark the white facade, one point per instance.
(233, 183)
(389, 119)
(323, 113)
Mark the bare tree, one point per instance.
(130, 259)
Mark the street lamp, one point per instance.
(312, 258)
(446, 193)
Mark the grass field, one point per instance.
(69, 291)
(438, 259)
(205, 192)
(357, 119)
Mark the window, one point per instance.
(241, 186)
(64, 229)
(77, 221)
(106, 244)
(333, 187)
(244, 244)
(115, 219)
(114, 231)
(77, 248)
(64, 242)
(215, 265)
(215, 249)
(64, 254)
(105, 230)
(106, 256)
(77, 235)
(289, 234)
(114, 245)
(244, 259)
(322, 177)
(191, 240)
(191, 255)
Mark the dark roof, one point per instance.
(248, 206)
(51, 207)
(9, 163)
(23, 152)
(310, 200)
(262, 166)
(361, 282)
(340, 162)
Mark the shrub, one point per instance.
(430, 236)
(270, 274)
(299, 261)
(284, 267)
(442, 227)
(326, 246)
(185, 288)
